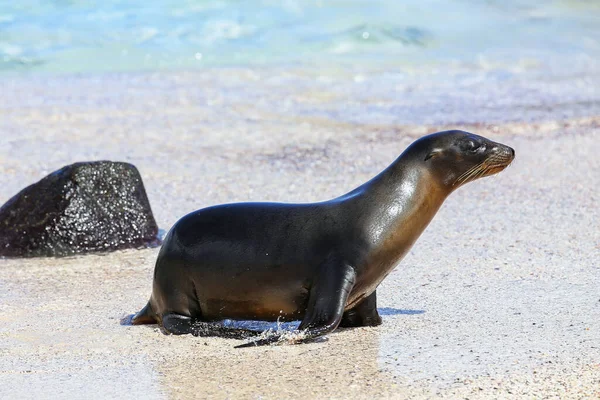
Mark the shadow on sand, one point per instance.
(395, 311)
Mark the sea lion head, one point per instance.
(457, 157)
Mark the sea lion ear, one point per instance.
(433, 153)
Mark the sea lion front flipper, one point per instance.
(326, 301)
(363, 314)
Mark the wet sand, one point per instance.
(499, 298)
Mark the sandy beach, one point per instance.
(499, 298)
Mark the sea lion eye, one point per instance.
(472, 146)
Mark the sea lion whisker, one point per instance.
(470, 173)
(480, 171)
(467, 172)
(479, 174)
(464, 176)
(484, 172)
(486, 167)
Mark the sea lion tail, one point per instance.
(145, 316)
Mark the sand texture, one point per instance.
(499, 298)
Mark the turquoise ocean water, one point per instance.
(78, 36)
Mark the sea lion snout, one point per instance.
(500, 155)
(503, 150)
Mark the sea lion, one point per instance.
(319, 262)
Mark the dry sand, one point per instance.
(499, 298)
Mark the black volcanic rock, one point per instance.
(83, 207)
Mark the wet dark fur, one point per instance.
(319, 263)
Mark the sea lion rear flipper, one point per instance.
(327, 299)
(145, 316)
(363, 314)
(176, 324)
(210, 328)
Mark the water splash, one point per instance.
(283, 332)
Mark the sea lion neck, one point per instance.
(400, 180)
(411, 192)
(390, 212)
(394, 208)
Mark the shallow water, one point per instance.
(87, 36)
